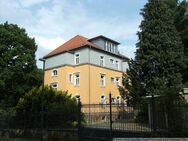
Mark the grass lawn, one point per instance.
(16, 139)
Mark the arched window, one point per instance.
(54, 72)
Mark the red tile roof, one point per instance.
(76, 42)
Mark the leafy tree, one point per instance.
(59, 108)
(18, 70)
(159, 55)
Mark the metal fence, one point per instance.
(151, 118)
(28, 125)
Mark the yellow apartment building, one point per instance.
(88, 69)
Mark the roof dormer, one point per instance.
(105, 43)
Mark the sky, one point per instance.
(53, 22)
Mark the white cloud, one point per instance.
(28, 3)
(12, 11)
(49, 43)
(52, 25)
(128, 50)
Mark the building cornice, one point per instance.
(83, 65)
(86, 46)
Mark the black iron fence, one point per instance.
(56, 126)
(150, 118)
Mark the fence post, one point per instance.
(153, 114)
(79, 119)
(110, 100)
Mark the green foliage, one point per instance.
(180, 10)
(181, 23)
(60, 110)
(159, 55)
(18, 70)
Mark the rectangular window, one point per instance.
(118, 100)
(70, 78)
(110, 47)
(117, 81)
(113, 100)
(116, 50)
(77, 96)
(77, 58)
(113, 48)
(106, 45)
(112, 61)
(102, 80)
(112, 79)
(77, 79)
(54, 85)
(117, 65)
(101, 60)
(103, 101)
(54, 72)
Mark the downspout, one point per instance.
(89, 82)
(89, 75)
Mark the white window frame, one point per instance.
(117, 82)
(77, 96)
(54, 75)
(118, 100)
(75, 79)
(77, 56)
(113, 48)
(102, 60)
(111, 79)
(70, 80)
(117, 65)
(103, 101)
(113, 100)
(102, 81)
(110, 46)
(112, 60)
(106, 45)
(53, 86)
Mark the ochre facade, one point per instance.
(89, 88)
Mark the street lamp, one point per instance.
(42, 99)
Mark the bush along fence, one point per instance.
(152, 117)
(56, 125)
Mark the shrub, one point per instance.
(60, 110)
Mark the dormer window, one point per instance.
(106, 45)
(110, 47)
(54, 73)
